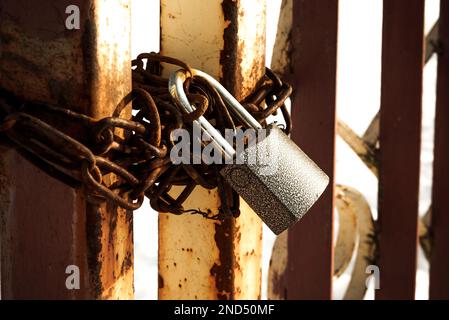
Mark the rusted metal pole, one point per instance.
(400, 142)
(314, 47)
(46, 225)
(201, 259)
(439, 262)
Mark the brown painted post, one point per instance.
(400, 141)
(46, 225)
(439, 263)
(199, 258)
(314, 40)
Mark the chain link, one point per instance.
(121, 160)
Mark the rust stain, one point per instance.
(160, 281)
(228, 56)
(94, 234)
(223, 272)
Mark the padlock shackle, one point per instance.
(229, 99)
(176, 89)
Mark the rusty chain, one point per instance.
(121, 160)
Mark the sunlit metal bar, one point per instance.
(201, 259)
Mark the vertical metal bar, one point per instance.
(201, 259)
(281, 64)
(46, 225)
(439, 263)
(400, 141)
(314, 40)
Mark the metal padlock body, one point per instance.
(286, 192)
(281, 197)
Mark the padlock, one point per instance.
(282, 189)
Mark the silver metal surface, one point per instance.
(229, 99)
(282, 190)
